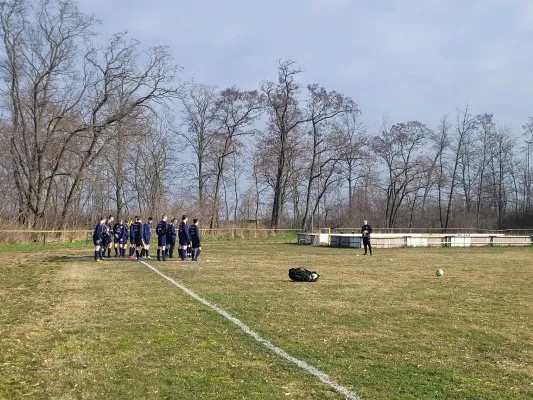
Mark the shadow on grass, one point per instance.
(84, 259)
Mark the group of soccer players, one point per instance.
(107, 235)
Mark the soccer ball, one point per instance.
(440, 272)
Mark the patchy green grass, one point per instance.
(32, 247)
(384, 326)
(260, 237)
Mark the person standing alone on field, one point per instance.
(366, 230)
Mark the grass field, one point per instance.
(384, 326)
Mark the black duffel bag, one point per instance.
(302, 275)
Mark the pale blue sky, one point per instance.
(410, 59)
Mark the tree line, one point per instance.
(92, 126)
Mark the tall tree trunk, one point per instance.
(278, 191)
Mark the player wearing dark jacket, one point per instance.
(183, 237)
(123, 240)
(108, 235)
(117, 234)
(366, 230)
(147, 234)
(132, 240)
(194, 232)
(171, 238)
(161, 231)
(138, 237)
(98, 237)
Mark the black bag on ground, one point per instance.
(302, 275)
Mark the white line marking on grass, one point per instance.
(282, 353)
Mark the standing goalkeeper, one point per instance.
(366, 230)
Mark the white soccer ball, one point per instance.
(440, 272)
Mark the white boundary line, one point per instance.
(282, 353)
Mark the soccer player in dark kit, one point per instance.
(183, 237)
(194, 232)
(366, 230)
(171, 238)
(98, 237)
(132, 242)
(137, 232)
(147, 234)
(117, 234)
(123, 240)
(107, 239)
(161, 231)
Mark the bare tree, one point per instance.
(201, 121)
(329, 181)
(151, 165)
(285, 117)
(348, 133)
(258, 187)
(236, 168)
(500, 169)
(60, 115)
(41, 91)
(528, 133)
(118, 79)
(441, 143)
(528, 127)
(237, 112)
(322, 107)
(466, 124)
(400, 147)
(296, 178)
(434, 171)
(128, 135)
(484, 143)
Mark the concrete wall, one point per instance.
(513, 241)
(306, 238)
(388, 240)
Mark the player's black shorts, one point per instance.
(97, 242)
(196, 244)
(138, 242)
(147, 241)
(184, 242)
(161, 241)
(116, 239)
